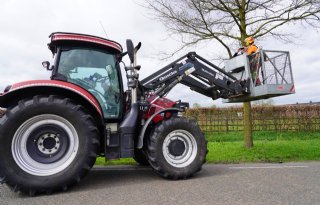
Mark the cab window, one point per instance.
(96, 72)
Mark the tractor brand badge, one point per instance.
(168, 75)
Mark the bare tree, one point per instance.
(231, 21)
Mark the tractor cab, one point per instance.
(91, 63)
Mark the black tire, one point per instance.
(61, 140)
(177, 148)
(140, 157)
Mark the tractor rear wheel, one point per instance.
(47, 143)
(177, 148)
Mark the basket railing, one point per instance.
(270, 67)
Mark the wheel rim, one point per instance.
(45, 145)
(179, 148)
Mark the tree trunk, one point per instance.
(247, 120)
(247, 125)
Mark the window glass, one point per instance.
(96, 72)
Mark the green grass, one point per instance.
(264, 151)
(125, 161)
(262, 135)
(268, 147)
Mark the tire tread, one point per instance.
(159, 164)
(89, 159)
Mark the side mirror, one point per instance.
(130, 50)
(46, 65)
(137, 47)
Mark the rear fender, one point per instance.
(29, 89)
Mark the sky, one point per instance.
(26, 25)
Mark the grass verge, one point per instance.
(262, 135)
(268, 147)
(264, 151)
(126, 161)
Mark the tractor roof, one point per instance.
(76, 39)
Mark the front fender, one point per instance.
(145, 126)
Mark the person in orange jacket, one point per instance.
(250, 49)
(254, 60)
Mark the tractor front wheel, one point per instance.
(177, 148)
(47, 143)
(140, 157)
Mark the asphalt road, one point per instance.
(288, 183)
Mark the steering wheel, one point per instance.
(96, 77)
(84, 83)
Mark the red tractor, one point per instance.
(53, 130)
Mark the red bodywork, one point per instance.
(159, 104)
(60, 84)
(69, 37)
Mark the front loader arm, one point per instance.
(197, 73)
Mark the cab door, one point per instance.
(96, 71)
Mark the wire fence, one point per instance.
(265, 118)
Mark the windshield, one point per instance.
(96, 72)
